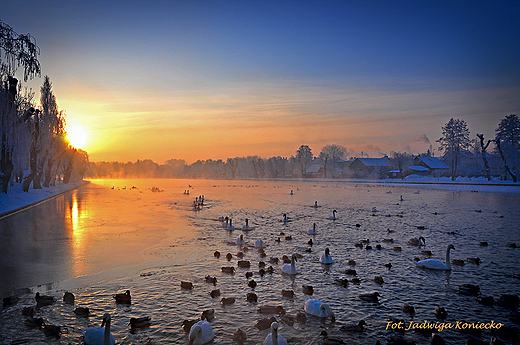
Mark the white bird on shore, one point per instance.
(313, 230)
(434, 264)
(326, 258)
(274, 338)
(290, 268)
(318, 308)
(100, 335)
(201, 333)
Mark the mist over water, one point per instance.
(96, 241)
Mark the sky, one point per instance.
(218, 79)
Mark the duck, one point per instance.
(359, 327)
(274, 338)
(211, 280)
(100, 335)
(437, 339)
(201, 333)
(123, 298)
(82, 311)
(216, 254)
(230, 270)
(370, 297)
(441, 313)
(227, 300)
(341, 282)
(313, 230)
(239, 336)
(187, 285)
(301, 317)
(139, 322)
(434, 264)
(414, 241)
(458, 262)
(333, 217)
(214, 293)
(51, 330)
(252, 284)
(408, 309)
(307, 289)
(43, 300)
(32, 322)
(229, 256)
(240, 240)
(68, 297)
(265, 323)
(290, 268)
(331, 340)
(259, 244)
(244, 263)
(326, 258)
(318, 308)
(271, 309)
(288, 293)
(187, 324)
(208, 314)
(379, 280)
(252, 297)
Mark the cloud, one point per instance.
(422, 139)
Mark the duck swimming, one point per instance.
(417, 241)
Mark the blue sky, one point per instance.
(200, 80)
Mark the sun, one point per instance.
(76, 136)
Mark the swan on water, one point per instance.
(274, 338)
(259, 244)
(316, 204)
(313, 230)
(333, 217)
(290, 268)
(246, 227)
(230, 226)
(285, 219)
(434, 264)
(318, 308)
(240, 240)
(100, 335)
(326, 258)
(201, 333)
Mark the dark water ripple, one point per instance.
(447, 217)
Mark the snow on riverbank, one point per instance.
(17, 199)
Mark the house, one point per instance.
(315, 170)
(433, 164)
(369, 167)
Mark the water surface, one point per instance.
(96, 241)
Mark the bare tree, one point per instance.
(508, 133)
(483, 148)
(334, 153)
(304, 157)
(455, 139)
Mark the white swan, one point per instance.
(318, 308)
(100, 335)
(246, 227)
(240, 240)
(225, 223)
(201, 333)
(274, 338)
(316, 204)
(417, 241)
(290, 268)
(333, 217)
(285, 219)
(326, 258)
(313, 230)
(259, 244)
(230, 226)
(434, 264)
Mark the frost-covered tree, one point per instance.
(304, 157)
(455, 140)
(401, 160)
(332, 153)
(507, 137)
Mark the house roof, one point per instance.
(433, 162)
(314, 168)
(373, 162)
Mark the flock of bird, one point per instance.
(201, 332)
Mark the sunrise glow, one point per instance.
(76, 136)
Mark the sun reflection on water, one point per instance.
(75, 214)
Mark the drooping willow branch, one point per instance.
(19, 50)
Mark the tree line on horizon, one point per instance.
(34, 150)
(498, 157)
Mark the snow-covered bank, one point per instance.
(17, 199)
